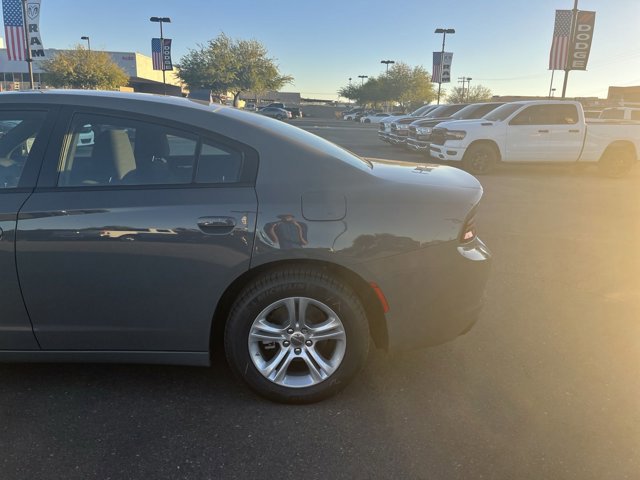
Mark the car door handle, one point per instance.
(543, 131)
(216, 225)
(574, 131)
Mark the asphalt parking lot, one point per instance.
(545, 386)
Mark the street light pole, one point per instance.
(160, 20)
(387, 62)
(444, 32)
(26, 43)
(362, 77)
(468, 87)
(88, 42)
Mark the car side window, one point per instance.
(18, 132)
(110, 151)
(547, 115)
(533, 115)
(218, 163)
(612, 114)
(563, 114)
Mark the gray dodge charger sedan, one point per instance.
(137, 228)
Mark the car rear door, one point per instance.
(128, 242)
(24, 131)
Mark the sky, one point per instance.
(502, 45)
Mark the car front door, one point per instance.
(528, 136)
(129, 241)
(23, 135)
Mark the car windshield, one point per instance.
(420, 111)
(472, 111)
(502, 113)
(444, 111)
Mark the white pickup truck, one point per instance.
(538, 131)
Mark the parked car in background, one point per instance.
(250, 107)
(400, 127)
(420, 130)
(296, 112)
(220, 223)
(592, 113)
(384, 129)
(620, 113)
(86, 136)
(542, 131)
(351, 115)
(275, 112)
(375, 117)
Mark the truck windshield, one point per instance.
(421, 110)
(502, 113)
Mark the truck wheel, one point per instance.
(616, 162)
(479, 159)
(296, 335)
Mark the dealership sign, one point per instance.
(581, 43)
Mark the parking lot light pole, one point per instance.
(444, 32)
(468, 87)
(88, 42)
(362, 77)
(387, 62)
(160, 20)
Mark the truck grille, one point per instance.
(437, 136)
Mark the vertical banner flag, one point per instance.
(560, 44)
(14, 29)
(581, 44)
(441, 69)
(161, 53)
(33, 28)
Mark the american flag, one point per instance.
(14, 29)
(441, 64)
(156, 53)
(437, 67)
(560, 45)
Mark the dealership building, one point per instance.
(142, 77)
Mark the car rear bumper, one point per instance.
(434, 294)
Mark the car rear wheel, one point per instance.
(616, 162)
(296, 335)
(279, 117)
(480, 159)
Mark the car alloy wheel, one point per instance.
(296, 335)
(480, 159)
(616, 162)
(297, 342)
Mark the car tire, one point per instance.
(279, 117)
(480, 159)
(616, 162)
(366, 120)
(296, 335)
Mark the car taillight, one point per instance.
(468, 232)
